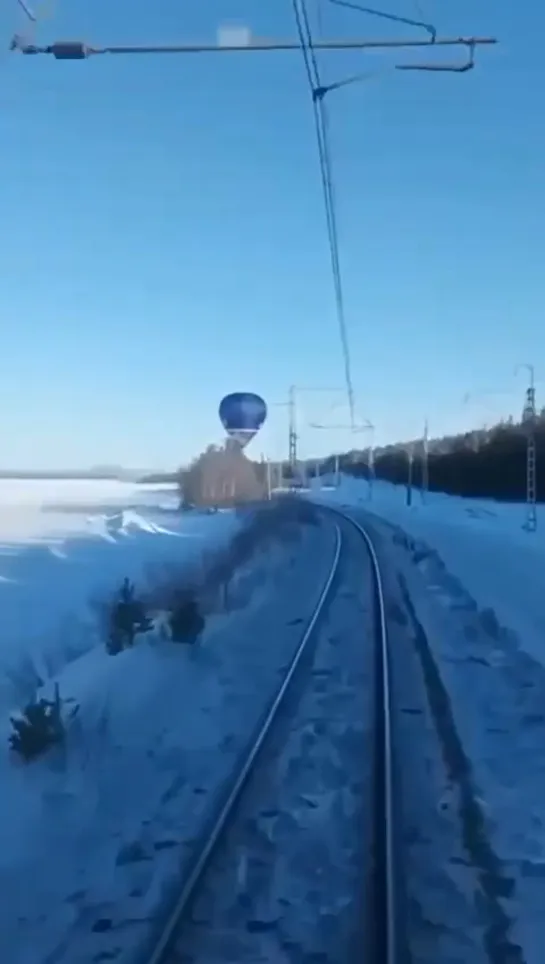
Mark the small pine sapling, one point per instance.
(128, 619)
(39, 727)
(186, 622)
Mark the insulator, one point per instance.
(69, 50)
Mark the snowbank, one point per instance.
(495, 695)
(481, 542)
(93, 836)
(474, 579)
(52, 581)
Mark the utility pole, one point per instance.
(425, 465)
(529, 424)
(294, 391)
(337, 475)
(277, 466)
(370, 471)
(292, 435)
(291, 405)
(353, 428)
(410, 460)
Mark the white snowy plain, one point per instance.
(92, 836)
(476, 580)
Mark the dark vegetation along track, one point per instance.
(298, 864)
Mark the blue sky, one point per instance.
(163, 235)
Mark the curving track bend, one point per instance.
(299, 863)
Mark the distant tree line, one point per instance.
(159, 478)
(488, 463)
(484, 463)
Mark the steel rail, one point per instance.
(163, 947)
(385, 914)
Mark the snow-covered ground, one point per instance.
(282, 886)
(92, 836)
(65, 547)
(476, 583)
(481, 542)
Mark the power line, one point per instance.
(27, 11)
(78, 50)
(321, 123)
(385, 15)
(321, 120)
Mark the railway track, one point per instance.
(317, 723)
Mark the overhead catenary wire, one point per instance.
(431, 30)
(27, 11)
(385, 15)
(321, 123)
(321, 119)
(33, 16)
(79, 50)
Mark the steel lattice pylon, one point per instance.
(528, 418)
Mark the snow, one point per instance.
(475, 580)
(282, 886)
(94, 835)
(36, 510)
(481, 542)
(59, 557)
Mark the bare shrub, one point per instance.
(128, 618)
(220, 476)
(38, 727)
(278, 522)
(186, 621)
(187, 594)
